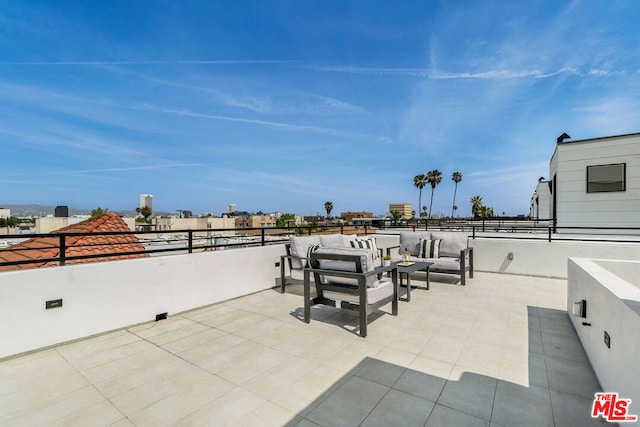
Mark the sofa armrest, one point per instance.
(467, 252)
(391, 247)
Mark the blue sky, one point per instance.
(284, 105)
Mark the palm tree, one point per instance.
(395, 216)
(456, 177)
(434, 178)
(476, 206)
(420, 181)
(328, 206)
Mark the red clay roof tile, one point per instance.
(48, 247)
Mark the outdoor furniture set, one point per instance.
(347, 270)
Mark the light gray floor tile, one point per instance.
(569, 411)
(350, 404)
(399, 409)
(575, 378)
(442, 416)
(515, 404)
(470, 393)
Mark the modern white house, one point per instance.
(593, 183)
(540, 208)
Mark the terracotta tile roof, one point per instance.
(48, 247)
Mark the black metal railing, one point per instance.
(174, 241)
(161, 242)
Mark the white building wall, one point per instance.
(5, 213)
(576, 207)
(541, 202)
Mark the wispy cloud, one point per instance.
(280, 125)
(168, 62)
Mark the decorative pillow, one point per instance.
(311, 249)
(430, 248)
(366, 243)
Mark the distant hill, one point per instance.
(37, 211)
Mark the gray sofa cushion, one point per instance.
(411, 241)
(452, 242)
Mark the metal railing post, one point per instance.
(365, 229)
(63, 250)
(549, 234)
(190, 241)
(473, 229)
(309, 230)
(341, 229)
(262, 237)
(483, 225)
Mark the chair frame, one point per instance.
(363, 308)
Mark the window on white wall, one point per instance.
(606, 178)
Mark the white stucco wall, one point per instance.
(576, 207)
(542, 258)
(613, 305)
(104, 296)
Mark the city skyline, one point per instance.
(282, 106)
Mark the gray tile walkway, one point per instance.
(499, 352)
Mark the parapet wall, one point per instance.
(105, 296)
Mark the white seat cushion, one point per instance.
(382, 290)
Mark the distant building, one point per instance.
(314, 218)
(232, 208)
(596, 183)
(61, 211)
(5, 213)
(255, 221)
(201, 223)
(348, 216)
(403, 208)
(146, 200)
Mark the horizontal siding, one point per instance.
(576, 207)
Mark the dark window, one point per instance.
(605, 178)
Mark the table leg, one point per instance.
(408, 287)
(428, 277)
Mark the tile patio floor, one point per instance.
(499, 352)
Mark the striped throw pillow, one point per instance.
(310, 249)
(368, 243)
(430, 248)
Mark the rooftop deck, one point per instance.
(499, 352)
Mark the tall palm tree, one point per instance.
(328, 206)
(456, 177)
(420, 181)
(476, 206)
(434, 178)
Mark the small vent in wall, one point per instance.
(161, 316)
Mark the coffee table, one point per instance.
(406, 270)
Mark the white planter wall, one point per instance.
(613, 305)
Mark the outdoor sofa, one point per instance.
(449, 251)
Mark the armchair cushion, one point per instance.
(366, 261)
(333, 240)
(382, 290)
(299, 248)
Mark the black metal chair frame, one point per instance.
(363, 308)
